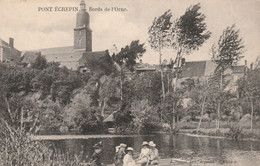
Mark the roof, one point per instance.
(194, 69)
(3, 43)
(210, 68)
(66, 56)
(29, 56)
(110, 118)
(61, 54)
(238, 69)
(90, 56)
(6, 45)
(144, 67)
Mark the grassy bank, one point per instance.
(227, 129)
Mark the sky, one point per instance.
(34, 29)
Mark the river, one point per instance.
(199, 150)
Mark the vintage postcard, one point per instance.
(129, 82)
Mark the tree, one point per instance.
(188, 33)
(40, 62)
(218, 97)
(127, 58)
(171, 107)
(159, 38)
(145, 116)
(81, 113)
(249, 89)
(229, 48)
(226, 53)
(107, 92)
(199, 95)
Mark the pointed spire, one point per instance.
(82, 5)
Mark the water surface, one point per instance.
(202, 149)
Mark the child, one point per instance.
(128, 159)
(144, 155)
(153, 154)
(120, 153)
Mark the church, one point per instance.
(72, 57)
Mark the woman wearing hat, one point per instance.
(95, 159)
(153, 154)
(144, 155)
(120, 153)
(128, 159)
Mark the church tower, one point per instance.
(82, 32)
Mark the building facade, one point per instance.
(8, 53)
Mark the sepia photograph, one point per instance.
(129, 82)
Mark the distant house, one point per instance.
(198, 70)
(8, 53)
(144, 67)
(92, 60)
(28, 57)
(233, 74)
(202, 70)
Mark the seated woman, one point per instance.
(95, 159)
(144, 155)
(128, 159)
(153, 154)
(120, 153)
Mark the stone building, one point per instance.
(8, 53)
(71, 56)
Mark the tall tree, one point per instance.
(249, 88)
(229, 48)
(159, 38)
(226, 54)
(40, 62)
(127, 58)
(188, 34)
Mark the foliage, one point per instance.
(147, 86)
(57, 82)
(188, 34)
(145, 117)
(235, 132)
(159, 31)
(159, 38)
(249, 90)
(39, 63)
(81, 114)
(16, 148)
(189, 31)
(171, 109)
(198, 94)
(129, 54)
(103, 65)
(123, 117)
(229, 48)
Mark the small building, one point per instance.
(28, 57)
(144, 67)
(197, 70)
(8, 53)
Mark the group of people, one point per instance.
(149, 155)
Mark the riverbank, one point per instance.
(246, 134)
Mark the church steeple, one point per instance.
(82, 5)
(82, 32)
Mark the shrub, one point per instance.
(234, 132)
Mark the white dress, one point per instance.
(144, 155)
(128, 160)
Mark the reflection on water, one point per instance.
(179, 146)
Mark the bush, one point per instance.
(234, 132)
(16, 148)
